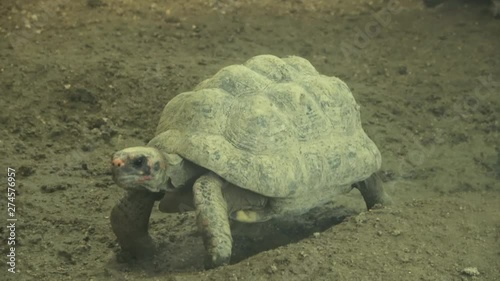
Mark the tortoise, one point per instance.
(266, 139)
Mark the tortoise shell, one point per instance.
(272, 125)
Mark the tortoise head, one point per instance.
(140, 168)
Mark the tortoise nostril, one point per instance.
(117, 162)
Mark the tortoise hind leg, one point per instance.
(372, 191)
(212, 219)
(130, 223)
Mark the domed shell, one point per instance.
(274, 126)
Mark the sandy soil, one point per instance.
(82, 79)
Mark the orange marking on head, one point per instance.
(117, 162)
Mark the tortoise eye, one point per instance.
(157, 166)
(139, 162)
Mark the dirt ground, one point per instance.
(82, 79)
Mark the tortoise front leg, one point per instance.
(212, 219)
(130, 222)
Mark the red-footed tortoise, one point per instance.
(265, 139)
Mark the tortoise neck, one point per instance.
(180, 172)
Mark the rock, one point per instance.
(471, 271)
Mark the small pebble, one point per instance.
(471, 271)
(273, 269)
(396, 232)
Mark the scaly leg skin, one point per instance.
(130, 223)
(372, 191)
(212, 219)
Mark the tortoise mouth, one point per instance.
(128, 178)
